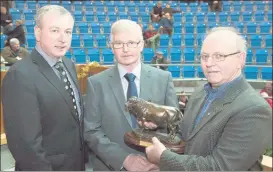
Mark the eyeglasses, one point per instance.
(217, 57)
(130, 44)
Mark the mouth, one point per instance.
(212, 72)
(60, 47)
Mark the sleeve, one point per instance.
(22, 122)
(239, 147)
(109, 152)
(170, 94)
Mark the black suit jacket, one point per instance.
(42, 130)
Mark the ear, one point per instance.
(37, 32)
(243, 59)
(141, 46)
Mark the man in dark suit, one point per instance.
(227, 125)
(42, 105)
(106, 120)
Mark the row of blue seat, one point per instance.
(250, 72)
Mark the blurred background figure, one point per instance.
(13, 52)
(267, 93)
(156, 13)
(183, 100)
(166, 24)
(170, 10)
(215, 5)
(6, 20)
(151, 36)
(160, 59)
(18, 32)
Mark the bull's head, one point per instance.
(131, 103)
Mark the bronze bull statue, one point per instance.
(160, 115)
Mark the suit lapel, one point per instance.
(116, 86)
(50, 75)
(145, 84)
(219, 104)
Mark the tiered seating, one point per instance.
(93, 22)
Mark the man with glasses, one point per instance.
(106, 119)
(227, 125)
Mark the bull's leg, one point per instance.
(172, 132)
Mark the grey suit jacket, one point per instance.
(232, 135)
(106, 120)
(42, 130)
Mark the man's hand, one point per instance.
(147, 125)
(138, 163)
(18, 58)
(154, 152)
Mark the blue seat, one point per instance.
(256, 41)
(197, 54)
(226, 24)
(223, 16)
(189, 28)
(199, 39)
(76, 42)
(121, 8)
(239, 26)
(78, 16)
(201, 28)
(88, 40)
(134, 16)
(101, 40)
(251, 27)
(20, 5)
(54, 2)
(101, 16)
(15, 13)
(212, 25)
(267, 73)
(247, 16)
(29, 14)
(106, 27)
(259, 16)
(211, 17)
(193, 7)
(131, 7)
(164, 40)
(78, 5)
(67, 5)
(3, 38)
(188, 72)
(80, 56)
(123, 15)
(260, 5)
(268, 41)
(200, 72)
(148, 54)
(95, 27)
(189, 55)
(68, 55)
(249, 57)
(89, 16)
(189, 40)
(269, 16)
(31, 5)
(156, 26)
(175, 71)
(42, 3)
(251, 72)
(145, 17)
(112, 16)
(265, 27)
(101, 8)
(31, 41)
(141, 7)
(89, 6)
(204, 7)
(175, 55)
(177, 28)
(83, 27)
(200, 17)
(248, 5)
(30, 26)
(261, 56)
(108, 56)
(176, 40)
(177, 17)
(237, 6)
(93, 54)
(234, 16)
(188, 17)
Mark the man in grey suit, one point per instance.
(227, 125)
(106, 119)
(43, 112)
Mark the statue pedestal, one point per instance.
(135, 141)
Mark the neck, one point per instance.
(233, 77)
(129, 68)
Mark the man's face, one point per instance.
(55, 34)
(159, 56)
(15, 46)
(3, 10)
(158, 5)
(220, 72)
(168, 6)
(268, 87)
(151, 27)
(127, 55)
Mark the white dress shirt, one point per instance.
(136, 71)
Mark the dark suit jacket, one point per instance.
(18, 33)
(233, 134)
(106, 119)
(40, 123)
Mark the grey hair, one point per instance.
(13, 41)
(241, 42)
(124, 25)
(50, 8)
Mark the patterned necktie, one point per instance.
(132, 91)
(67, 85)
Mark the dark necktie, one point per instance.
(67, 85)
(132, 91)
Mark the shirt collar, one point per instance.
(50, 60)
(136, 71)
(220, 91)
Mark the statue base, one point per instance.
(139, 140)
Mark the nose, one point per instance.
(125, 48)
(62, 37)
(210, 62)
